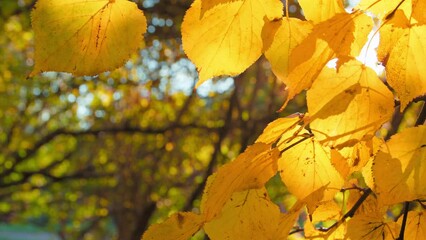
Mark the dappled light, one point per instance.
(212, 119)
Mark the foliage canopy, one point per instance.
(344, 175)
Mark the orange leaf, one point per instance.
(369, 226)
(321, 10)
(291, 33)
(399, 167)
(179, 226)
(247, 215)
(277, 128)
(85, 37)
(306, 168)
(251, 169)
(348, 106)
(403, 49)
(227, 39)
(342, 35)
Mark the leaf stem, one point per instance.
(404, 221)
(286, 9)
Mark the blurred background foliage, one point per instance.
(103, 157)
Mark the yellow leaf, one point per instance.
(247, 215)
(415, 228)
(333, 234)
(251, 169)
(369, 206)
(342, 35)
(206, 5)
(371, 226)
(403, 50)
(228, 38)
(209, 4)
(382, 8)
(321, 10)
(348, 106)
(287, 222)
(291, 33)
(399, 167)
(351, 159)
(390, 32)
(306, 168)
(327, 211)
(85, 37)
(341, 162)
(275, 129)
(419, 11)
(179, 226)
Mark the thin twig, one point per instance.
(404, 221)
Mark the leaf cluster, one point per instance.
(344, 175)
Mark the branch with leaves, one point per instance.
(338, 142)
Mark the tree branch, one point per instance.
(213, 160)
(404, 221)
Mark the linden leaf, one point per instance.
(404, 52)
(415, 229)
(351, 159)
(311, 232)
(369, 206)
(403, 158)
(321, 10)
(247, 215)
(179, 226)
(348, 106)
(206, 5)
(287, 222)
(85, 37)
(251, 169)
(342, 35)
(306, 168)
(419, 11)
(278, 127)
(291, 33)
(209, 4)
(228, 38)
(370, 226)
(384, 8)
(327, 211)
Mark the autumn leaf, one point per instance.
(342, 35)
(228, 38)
(371, 226)
(322, 9)
(419, 12)
(248, 215)
(369, 206)
(403, 50)
(85, 37)
(351, 159)
(384, 8)
(348, 106)
(209, 4)
(399, 167)
(291, 33)
(306, 168)
(287, 222)
(415, 228)
(251, 169)
(277, 128)
(179, 226)
(329, 210)
(311, 232)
